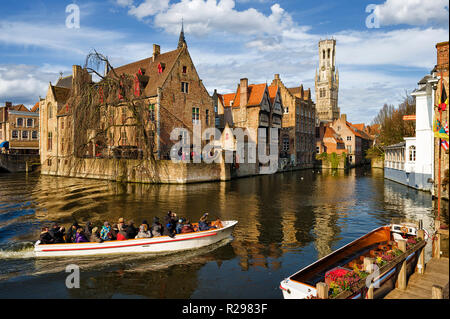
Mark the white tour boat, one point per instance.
(142, 245)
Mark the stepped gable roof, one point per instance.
(156, 79)
(255, 93)
(65, 82)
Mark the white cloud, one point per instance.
(23, 84)
(205, 16)
(55, 37)
(413, 47)
(148, 8)
(413, 12)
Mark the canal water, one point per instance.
(286, 221)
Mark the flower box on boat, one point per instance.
(380, 245)
(142, 245)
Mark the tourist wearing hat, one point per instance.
(95, 237)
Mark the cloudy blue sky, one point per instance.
(228, 40)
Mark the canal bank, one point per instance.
(286, 221)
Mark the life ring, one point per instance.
(404, 229)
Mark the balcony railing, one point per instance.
(395, 165)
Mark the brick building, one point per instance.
(357, 142)
(56, 121)
(441, 155)
(297, 136)
(168, 86)
(328, 141)
(251, 107)
(19, 129)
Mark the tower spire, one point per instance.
(182, 40)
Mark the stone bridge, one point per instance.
(18, 162)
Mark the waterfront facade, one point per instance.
(357, 142)
(252, 107)
(298, 125)
(327, 83)
(411, 162)
(328, 141)
(169, 95)
(19, 129)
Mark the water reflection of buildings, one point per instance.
(410, 204)
(335, 203)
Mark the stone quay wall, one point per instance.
(137, 171)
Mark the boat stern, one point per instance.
(295, 290)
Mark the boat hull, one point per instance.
(143, 245)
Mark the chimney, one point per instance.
(8, 104)
(76, 74)
(277, 76)
(344, 117)
(156, 51)
(243, 92)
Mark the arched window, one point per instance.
(328, 53)
(49, 111)
(412, 153)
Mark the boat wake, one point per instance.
(22, 250)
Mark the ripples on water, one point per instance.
(286, 221)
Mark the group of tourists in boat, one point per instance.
(125, 230)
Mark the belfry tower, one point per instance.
(327, 82)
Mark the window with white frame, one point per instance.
(19, 121)
(15, 134)
(412, 153)
(34, 135)
(25, 135)
(195, 115)
(30, 122)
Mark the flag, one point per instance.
(444, 99)
(444, 144)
